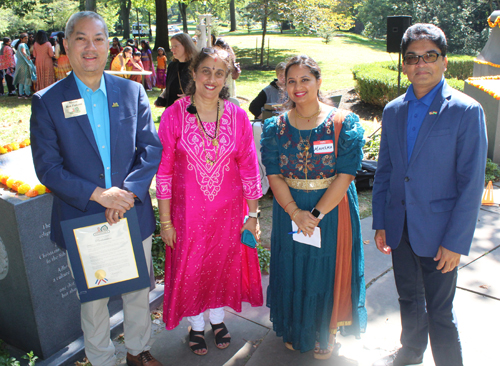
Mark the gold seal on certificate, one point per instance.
(106, 253)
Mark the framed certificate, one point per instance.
(106, 259)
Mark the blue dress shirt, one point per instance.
(417, 110)
(96, 104)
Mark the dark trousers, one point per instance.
(10, 86)
(426, 303)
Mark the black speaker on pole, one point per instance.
(396, 27)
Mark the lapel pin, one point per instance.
(115, 105)
(433, 112)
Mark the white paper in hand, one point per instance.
(314, 240)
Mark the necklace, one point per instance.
(214, 139)
(306, 143)
(311, 116)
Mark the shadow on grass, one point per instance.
(359, 40)
(250, 59)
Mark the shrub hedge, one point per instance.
(377, 83)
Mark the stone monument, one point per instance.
(484, 86)
(39, 309)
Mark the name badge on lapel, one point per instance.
(74, 108)
(323, 147)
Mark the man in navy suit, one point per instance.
(426, 196)
(95, 146)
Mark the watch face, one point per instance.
(315, 213)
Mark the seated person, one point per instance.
(135, 64)
(273, 93)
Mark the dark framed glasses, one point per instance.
(428, 58)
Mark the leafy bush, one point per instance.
(377, 83)
(158, 248)
(372, 147)
(492, 172)
(264, 258)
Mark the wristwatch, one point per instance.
(255, 215)
(317, 214)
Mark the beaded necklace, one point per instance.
(214, 139)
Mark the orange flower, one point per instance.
(16, 185)
(3, 179)
(8, 147)
(31, 193)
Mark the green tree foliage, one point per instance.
(463, 21)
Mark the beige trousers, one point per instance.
(99, 348)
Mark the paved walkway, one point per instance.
(254, 343)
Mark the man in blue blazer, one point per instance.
(426, 196)
(95, 146)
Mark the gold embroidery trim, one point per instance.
(309, 184)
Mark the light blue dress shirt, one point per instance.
(417, 110)
(96, 104)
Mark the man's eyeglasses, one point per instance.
(428, 58)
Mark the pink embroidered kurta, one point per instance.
(208, 267)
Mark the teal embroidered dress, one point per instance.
(300, 292)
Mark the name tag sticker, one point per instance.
(74, 108)
(323, 147)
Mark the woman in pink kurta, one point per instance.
(208, 169)
(43, 53)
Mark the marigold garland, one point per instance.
(14, 146)
(497, 22)
(474, 81)
(22, 188)
(481, 62)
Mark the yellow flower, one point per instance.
(15, 146)
(40, 188)
(3, 150)
(10, 182)
(23, 188)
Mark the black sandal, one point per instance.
(219, 336)
(197, 338)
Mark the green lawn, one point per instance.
(335, 60)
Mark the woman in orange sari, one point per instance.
(43, 53)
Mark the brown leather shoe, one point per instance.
(142, 359)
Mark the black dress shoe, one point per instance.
(399, 358)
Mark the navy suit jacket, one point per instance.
(67, 159)
(441, 187)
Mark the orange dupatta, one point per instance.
(342, 300)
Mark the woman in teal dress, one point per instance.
(25, 69)
(314, 291)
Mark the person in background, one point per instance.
(99, 162)
(178, 75)
(25, 69)
(135, 64)
(43, 53)
(235, 67)
(31, 41)
(8, 66)
(208, 178)
(120, 61)
(147, 62)
(273, 93)
(426, 196)
(63, 66)
(311, 155)
(131, 44)
(114, 50)
(161, 68)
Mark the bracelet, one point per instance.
(164, 214)
(284, 208)
(165, 222)
(295, 212)
(167, 228)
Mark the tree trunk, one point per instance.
(232, 12)
(125, 6)
(162, 25)
(182, 11)
(90, 5)
(264, 28)
(81, 6)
